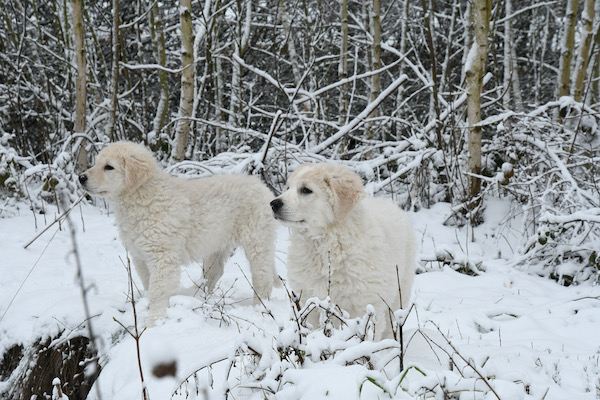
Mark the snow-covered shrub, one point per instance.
(291, 363)
(262, 363)
(407, 171)
(25, 180)
(552, 175)
(12, 165)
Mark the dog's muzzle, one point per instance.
(83, 179)
(276, 205)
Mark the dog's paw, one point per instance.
(155, 317)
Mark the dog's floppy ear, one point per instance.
(347, 188)
(138, 169)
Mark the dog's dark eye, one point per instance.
(108, 167)
(305, 190)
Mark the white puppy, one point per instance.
(165, 222)
(344, 245)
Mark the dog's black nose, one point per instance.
(276, 205)
(83, 179)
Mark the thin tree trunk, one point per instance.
(567, 45)
(434, 78)
(375, 52)
(516, 85)
(291, 45)
(207, 90)
(541, 34)
(511, 77)
(476, 62)
(587, 34)
(158, 44)
(596, 65)
(468, 16)
(186, 102)
(110, 128)
(201, 34)
(145, 103)
(375, 26)
(343, 65)
(80, 80)
(450, 46)
(294, 62)
(240, 46)
(219, 90)
(403, 40)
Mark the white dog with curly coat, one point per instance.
(344, 245)
(166, 222)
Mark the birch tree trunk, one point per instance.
(476, 62)
(186, 101)
(239, 48)
(567, 45)
(515, 83)
(511, 73)
(587, 34)
(80, 81)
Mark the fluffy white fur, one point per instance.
(165, 221)
(344, 245)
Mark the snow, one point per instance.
(529, 337)
(471, 56)
(56, 391)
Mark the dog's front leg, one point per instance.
(142, 270)
(213, 267)
(164, 281)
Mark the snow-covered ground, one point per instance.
(512, 335)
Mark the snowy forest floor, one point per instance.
(513, 335)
